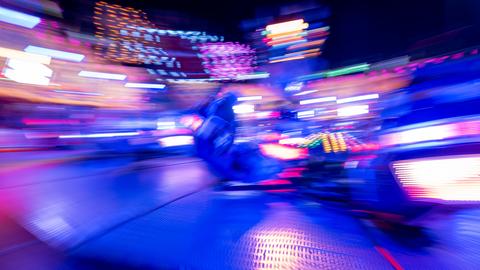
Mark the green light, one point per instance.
(347, 70)
(337, 72)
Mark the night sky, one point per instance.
(368, 30)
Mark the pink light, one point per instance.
(448, 178)
(283, 152)
(38, 122)
(458, 55)
(227, 59)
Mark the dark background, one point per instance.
(361, 31)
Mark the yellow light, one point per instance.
(286, 26)
(285, 34)
(285, 40)
(287, 59)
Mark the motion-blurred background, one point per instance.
(373, 108)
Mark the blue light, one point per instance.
(75, 57)
(18, 18)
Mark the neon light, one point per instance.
(18, 18)
(353, 110)
(288, 26)
(9, 53)
(285, 41)
(293, 141)
(347, 70)
(432, 133)
(99, 135)
(286, 59)
(75, 57)
(285, 34)
(305, 114)
(450, 178)
(357, 98)
(145, 85)
(176, 141)
(253, 76)
(243, 108)
(283, 152)
(305, 92)
(249, 98)
(317, 100)
(304, 52)
(337, 72)
(101, 75)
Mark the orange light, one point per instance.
(285, 34)
(285, 40)
(287, 59)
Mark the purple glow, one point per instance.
(227, 59)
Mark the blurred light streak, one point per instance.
(75, 57)
(285, 40)
(39, 122)
(99, 135)
(286, 59)
(28, 72)
(14, 54)
(306, 44)
(145, 85)
(337, 72)
(288, 26)
(347, 70)
(284, 44)
(450, 178)
(390, 63)
(317, 100)
(249, 98)
(18, 18)
(353, 110)
(305, 92)
(101, 75)
(292, 141)
(243, 108)
(284, 34)
(260, 75)
(357, 98)
(176, 141)
(305, 114)
(304, 53)
(432, 133)
(166, 125)
(78, 93)
(294, 86)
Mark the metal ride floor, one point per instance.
(164, 213)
